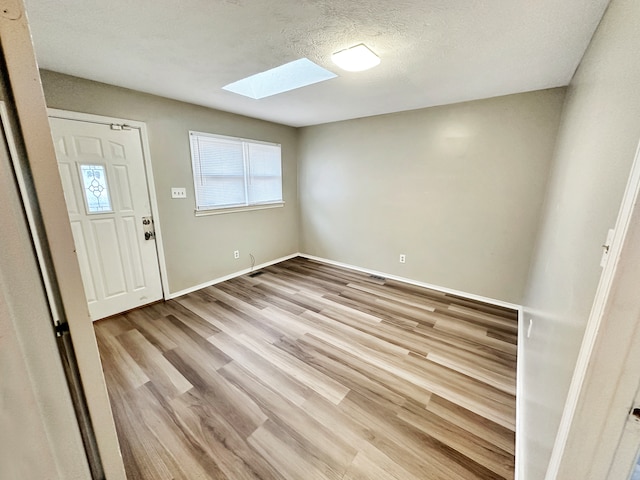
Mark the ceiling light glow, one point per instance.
(356, 59)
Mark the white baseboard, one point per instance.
(229, 277)
(470, 296)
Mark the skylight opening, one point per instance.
(287, 77)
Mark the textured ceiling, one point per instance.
(433, 52)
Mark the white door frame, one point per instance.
(29, 115)
(30, 313)
(144, 139)
(607, 372)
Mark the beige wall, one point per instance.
(458, 189)
(197, 249)
(598, 137)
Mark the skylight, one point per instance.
(292, 75)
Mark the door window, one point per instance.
(96, 189)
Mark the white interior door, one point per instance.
(105, 186)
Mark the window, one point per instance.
(96, 191)
(232, 172)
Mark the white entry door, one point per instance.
(105, 186)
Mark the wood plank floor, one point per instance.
(312, 372)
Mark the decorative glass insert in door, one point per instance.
(96, 189)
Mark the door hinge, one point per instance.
(606, 248)
(61, 328)
(633, 420)
(121, 126)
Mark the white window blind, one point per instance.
(232, 172)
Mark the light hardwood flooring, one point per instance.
(312, 372)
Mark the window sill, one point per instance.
(221, 211)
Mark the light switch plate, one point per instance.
(178, 192)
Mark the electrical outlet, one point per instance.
(236, 254)
(178, 192)
(403, 258)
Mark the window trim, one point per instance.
(223, 210)
(245, 142)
